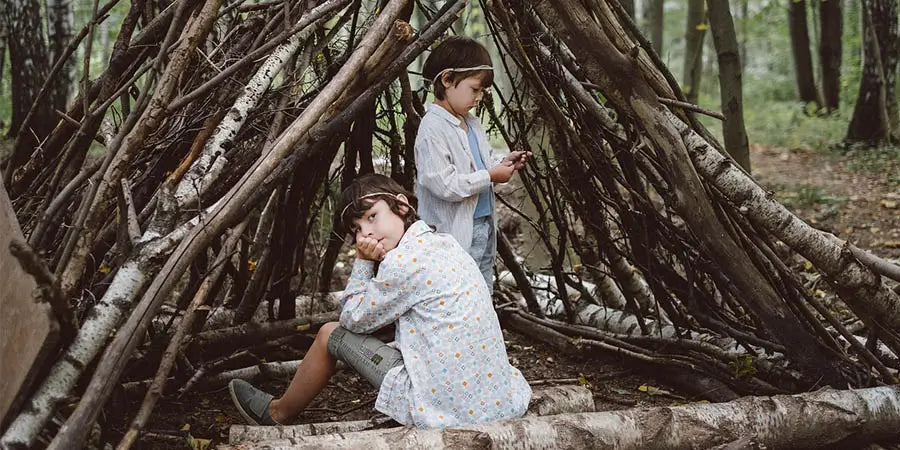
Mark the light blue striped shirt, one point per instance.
(483, 208)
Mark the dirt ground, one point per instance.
(856, 198)
(832, 192)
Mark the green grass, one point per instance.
(881, 160)
(805, 196)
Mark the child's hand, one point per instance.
(517, 159)
(501, 173)
(369, 248)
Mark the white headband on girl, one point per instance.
(459, 69)
(396, 196)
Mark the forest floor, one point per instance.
(855, 198)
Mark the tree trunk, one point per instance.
(745, 12)
(653, 18)
(28, 66)
(62, 22)
(806, 84)
(821, 419)
(730, 82)
(629, 7)
(831, 23)
(695, 31)
(875, 116)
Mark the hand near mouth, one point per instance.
(370, 249)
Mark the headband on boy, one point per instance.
(396, 196)
(459, 69)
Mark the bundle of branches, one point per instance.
(682, 244)
(196, 171)
(212, 119)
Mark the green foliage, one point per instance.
(805, 196)
(742, 367)
(5, 95)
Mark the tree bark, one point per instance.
(695, 31)
(629, 8)
(545, 401)
(803, 70)
(653, 18)
(29, 66)
(831, 22)
(730, 82)
(62, 22)
(875, 116)
(821, 419)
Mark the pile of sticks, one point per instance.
(185, 198)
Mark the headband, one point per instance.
(396, 196)
(459, 69)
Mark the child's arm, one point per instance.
(441, 177)
(370, 302)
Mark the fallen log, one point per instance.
(825, 418)
(279, 370)
(218, 341)
(545, 401)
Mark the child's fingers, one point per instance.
(366, 245)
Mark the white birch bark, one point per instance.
(616, 321)
(861, 288)
(208, 166)
(305, 305)
(821, 419)
(545, 401)
(608, 318)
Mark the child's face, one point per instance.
(380, 223)
(465, 95)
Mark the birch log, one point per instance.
(545, 401)
(825, 418)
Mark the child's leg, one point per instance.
(311, 377)
(482, 249)
(366, 354)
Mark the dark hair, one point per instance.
(353, 205)
(454, 52)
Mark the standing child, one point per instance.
(453, 157)
(448, 364)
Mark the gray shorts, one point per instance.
(366, 354)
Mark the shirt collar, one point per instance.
(446, 115)
(415, 230)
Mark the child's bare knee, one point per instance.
(325, 331)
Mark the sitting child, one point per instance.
(448, 364)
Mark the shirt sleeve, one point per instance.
(371, 302)
(441, 177)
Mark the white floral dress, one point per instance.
(455, 369)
